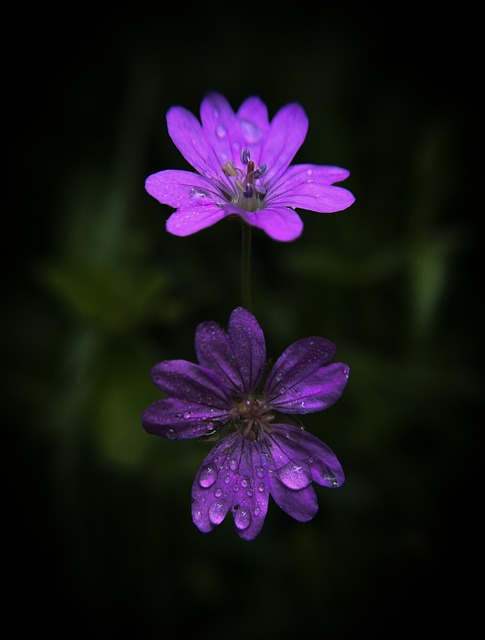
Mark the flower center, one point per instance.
(254, 416)
(248, 188)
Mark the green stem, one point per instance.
(246, 266)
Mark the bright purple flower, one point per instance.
(243, 163)
(262, 450)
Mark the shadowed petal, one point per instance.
(297, 363)
(280, 223)
(180, 420)
(313, 393)
(287, 132)
(301, 505)
(232, 477)
(237, 356)
(190, 382)
(304, 448)
(310, 187)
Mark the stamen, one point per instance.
(245, 155)
(260, 171)
(229, 169)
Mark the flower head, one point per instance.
(243, 164)
(262, 449)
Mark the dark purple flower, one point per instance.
(243, 163)
(262, 450)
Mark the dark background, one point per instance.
(97, 513)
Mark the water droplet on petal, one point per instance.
(218, 493)
(207, 476)
(217, 511)
(260, 472)
(171, 434)
(244, 482)
(221, 131)
(251, 132)
(233, 465)
(332, 480)
(294, 476)
(187, 415)
(279, 376)
(309, 172)
(242, 519)
(261, 487)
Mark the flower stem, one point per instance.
(246, 267)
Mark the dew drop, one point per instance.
(244, 482)
(332, 480)
(294, 476)
(261, 487)
(257, 511)
(309, 172)
(227, 479)
(218, 493)
(251, 132)
(221, 131)
(260, 472)
(187, 415)
(197, 515)
(242, 519)
(171, 434)
(279, 376)
(233, 465)
(217, 511)
(236, 487)
(207, 476)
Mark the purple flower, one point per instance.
(243, 163)
(262, 450)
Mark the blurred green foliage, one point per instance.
(99, 293)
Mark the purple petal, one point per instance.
(309, 187)
(304, 448)
(181, 188)
(286, 134)
(286, 461)
(301, 505)
(298, 363)
(237, 357)
(192, 383)
(254, 125)
(232, 477)
(313, 393)
(189, 138)
(185, 222)
(221, 128)
(280, 223)
(180, 420)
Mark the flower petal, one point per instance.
(180, 420)
(313, 393)
(280, 223)
(221, 128)
(299, 362)
(302, 505)
(304, 448)
(181, 189)
(254, 124)
(286, 135)
(237, 357)
(232, 477)
(192, 383)
(190, 139)
(185, 222)
(310, 187)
